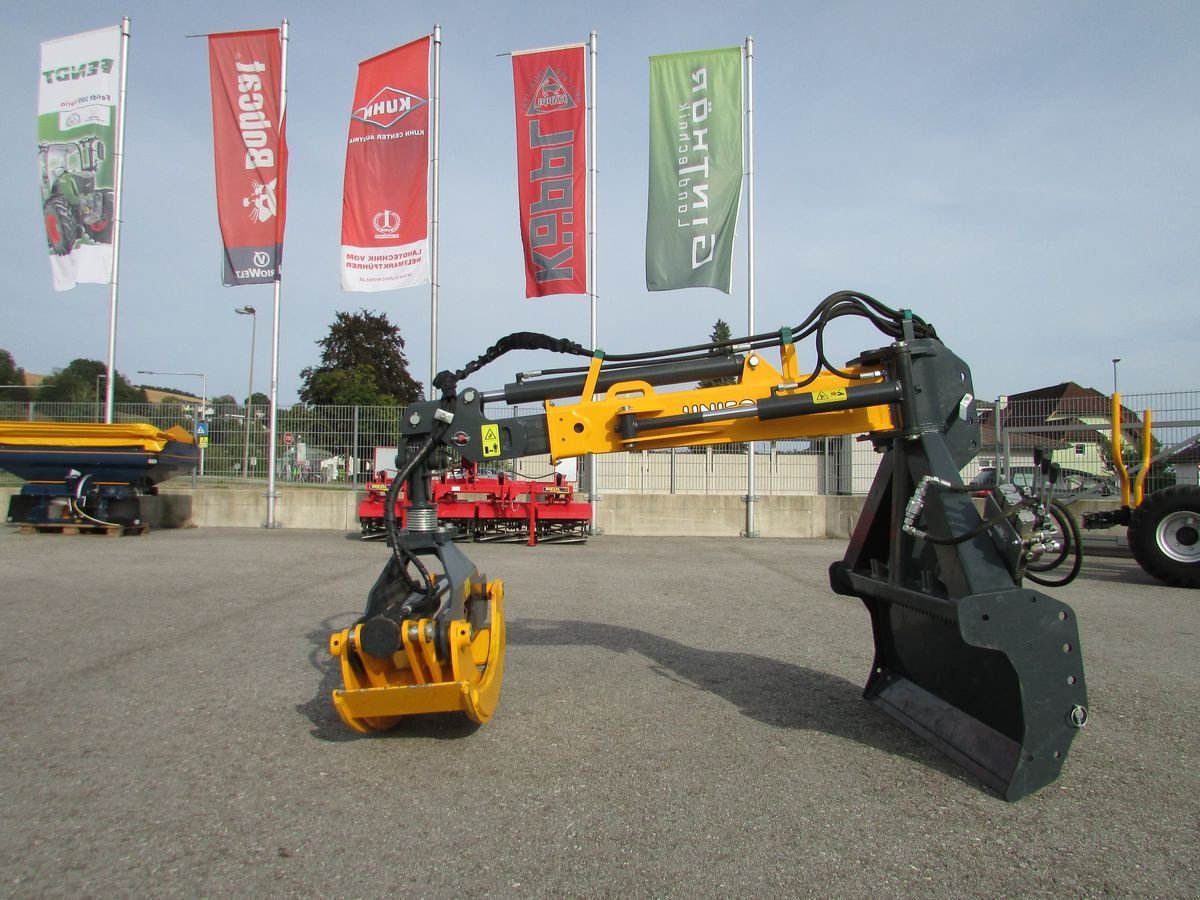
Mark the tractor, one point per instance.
(73, 206)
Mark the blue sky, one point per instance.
(1021, 174)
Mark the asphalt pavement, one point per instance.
(681, 717)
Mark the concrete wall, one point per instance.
(718, 515)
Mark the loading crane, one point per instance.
(979, 665)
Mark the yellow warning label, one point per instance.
(830, 395)
(491, 440)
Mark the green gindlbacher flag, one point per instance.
(695, 169)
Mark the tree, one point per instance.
(362, 362)
(11, 375)
(720, 333)
(83, 382)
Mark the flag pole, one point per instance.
(118, 165)
(751, 530)
(593, 294)
(435, 203)
(274, 417)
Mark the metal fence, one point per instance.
(335, 446)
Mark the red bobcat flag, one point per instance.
(385, 196)
(552, 168)
(250, 151)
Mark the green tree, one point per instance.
(12, 376)
(358, 386)
(362, 362)
(719, 334)
(82, 381)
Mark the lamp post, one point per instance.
(98, 377)
(196, 418)
(253, 314)
(1115, 361)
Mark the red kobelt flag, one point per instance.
(385, 196)
(250, 152)
(552, 168)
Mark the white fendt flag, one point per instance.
(78, 92)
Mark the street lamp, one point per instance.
(203, 403)
(1115, 361)
(98, 377)
(253, 314)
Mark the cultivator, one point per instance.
(489, 506)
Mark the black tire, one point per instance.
(1164, 535)
(101, 231)
(61, 226)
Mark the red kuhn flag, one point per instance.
(552, 168)
(250, 152)
(385, 196)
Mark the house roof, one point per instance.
(1074, 409)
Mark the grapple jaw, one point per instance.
(402, 658)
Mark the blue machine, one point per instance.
(89, 475)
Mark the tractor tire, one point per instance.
(1164, 535)
(61, 226)
(101, 231)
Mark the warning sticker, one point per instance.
(491, 440)
(830, 395)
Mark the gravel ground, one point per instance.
(681, 717)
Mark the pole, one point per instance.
(593, 294)
(118, 166)
(751, 530)
(435, 202)
(274, 417)
(202, 413)
(253, 314)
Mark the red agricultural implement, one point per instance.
(487, 505)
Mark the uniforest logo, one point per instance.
(387, 107)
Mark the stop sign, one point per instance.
(288, 438)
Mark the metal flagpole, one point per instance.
(593, 496)
(274, 418)
(434, 207)
(751, 530)
(118, 164)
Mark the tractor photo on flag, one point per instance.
(77, 124)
